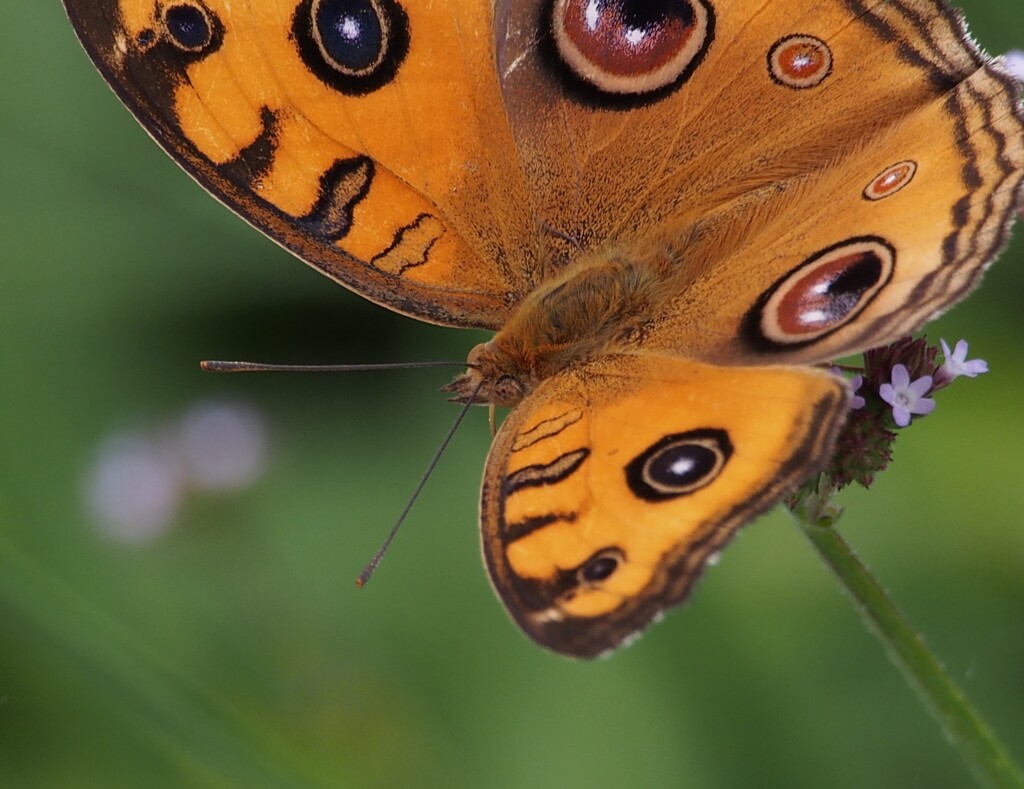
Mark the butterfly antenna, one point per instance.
(370, 568)
(215, 366)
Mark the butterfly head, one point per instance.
(492, 377)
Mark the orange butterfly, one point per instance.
(668, 212)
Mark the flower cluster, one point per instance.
(139, 479)
(895, 385)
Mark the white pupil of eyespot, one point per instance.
(635, 35)
(592, 17)
(349, 28)
(682, 467)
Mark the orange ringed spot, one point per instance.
(799, 61)
(890, 180)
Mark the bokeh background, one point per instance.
(229, 646)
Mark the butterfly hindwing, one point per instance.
(609, 487)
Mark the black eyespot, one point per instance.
(821, 295)
(354, 46)
(187, 31)
(679, 464)
(621, 53)
(600, 566)
(350, 33)
(188, 26)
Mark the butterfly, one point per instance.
(670, 212)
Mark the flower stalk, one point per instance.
(986, 757)
(888, 393)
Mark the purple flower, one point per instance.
(956, 363)
(905, 396)
(857, 401)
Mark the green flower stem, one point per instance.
(986, 757)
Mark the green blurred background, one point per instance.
(235, 649)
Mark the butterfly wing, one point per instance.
(607, 490)
(809, 164)
(386, 159)
(369, 140)
(869, 249)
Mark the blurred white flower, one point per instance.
(138, 480)
(133, 488)
(223, 446)
(1014, 60)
